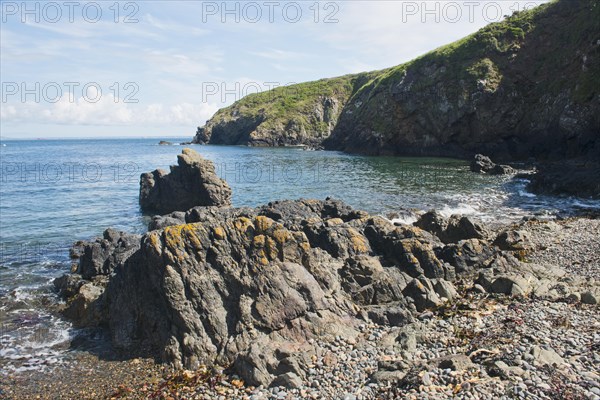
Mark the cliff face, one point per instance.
(525, 87)
(528, 86)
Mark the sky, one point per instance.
(162, 68)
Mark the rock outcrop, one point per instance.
(193, 182)
(249, 288)
(580, 177)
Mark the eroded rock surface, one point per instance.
(250, 288)
(192, 182)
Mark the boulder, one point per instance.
(513, 240)
(548, 356)
(193, 182)
(484, 165)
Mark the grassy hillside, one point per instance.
(528, 85)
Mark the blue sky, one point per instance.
(162, 68)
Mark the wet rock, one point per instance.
(193, 182)
(485, 165)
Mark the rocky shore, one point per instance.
(480, 345)
(314, 299)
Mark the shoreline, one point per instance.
(564, 325)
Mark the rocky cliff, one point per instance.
(302, 114)
(525, 87)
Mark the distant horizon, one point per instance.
(10, 138)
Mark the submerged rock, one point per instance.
(193, 182)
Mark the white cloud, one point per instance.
(108, 111)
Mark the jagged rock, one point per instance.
(481, 164)
(249, 288)
(102, 256)
(468, 255)
(86, 307)
(451, 230)
(193, 182)
(421, 291)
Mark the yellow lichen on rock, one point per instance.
(272, 250)
(359, 243)
(241, 224)
(281, 235)
(258, 241)
(219, 233)
(262, 223)
(153, 239)
(334, 222)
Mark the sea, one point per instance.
(55, 192)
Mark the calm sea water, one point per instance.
(54, 192)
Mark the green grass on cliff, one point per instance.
(484, 55)
(291, 103)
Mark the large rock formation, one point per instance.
(193, 182)
(250, 288)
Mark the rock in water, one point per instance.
(485, 165)
(193, 182)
